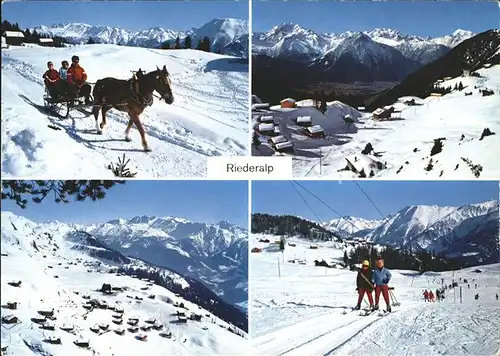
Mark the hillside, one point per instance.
(405, 145)
(207, 118)
(299, 297)
(62, 277)
(472, 53)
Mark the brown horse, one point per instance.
(131, 96)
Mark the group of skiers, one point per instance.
(429, 296)
(368, 280)
(69, 80)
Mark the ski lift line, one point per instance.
(325, 204)
(371, 201)
(305, 201)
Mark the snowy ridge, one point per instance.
(434, 228)
(301, 311)
(55, 276)
(222, 33)
(208, 117)
(292, 40)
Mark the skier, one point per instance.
(364, 284)
(438, 295)
(426, 296)
(431, 296)
(476, 297)
(381, 277)
(496, 296)
(468, 286)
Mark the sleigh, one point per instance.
(64, 103)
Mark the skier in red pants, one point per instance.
(364, 285)
(381, 277)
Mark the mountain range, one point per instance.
(469, 232)
(297, 43)
(214, 254)
(229, 36)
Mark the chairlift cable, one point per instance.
(371, 201)
(305, 202)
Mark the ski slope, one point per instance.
(209, 116)
(301, 311)
(78, 273)
(414, 129)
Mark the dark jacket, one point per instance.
(361, 283)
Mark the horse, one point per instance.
(131, 96)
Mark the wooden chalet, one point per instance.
(315, 131)
(284, 147)
(288, 103)
(14, 38)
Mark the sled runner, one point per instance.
(57, 103)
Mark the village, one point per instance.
(315, 132)
(118, 304)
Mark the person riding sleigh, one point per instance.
(77, 77)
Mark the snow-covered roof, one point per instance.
(278, 139)
(289, 100)
(14, 34)
(46, 40)
(303, 119)
(361, 108)
(266, 127)
(277, 129)
(347, 116)
(282, 145)
(378, 111)
(315, 129)
(268, 118)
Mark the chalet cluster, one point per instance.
(17, 38)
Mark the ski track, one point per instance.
(208, 118)
(299, 311)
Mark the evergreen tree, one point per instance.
(177, 44)
(188, 42)
(204, 44)
(91, 41)
(460, 86)
(346, 258)
(282, 244)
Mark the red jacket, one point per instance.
(50, 76)
(76, 74)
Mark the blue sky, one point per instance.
(131, 15)
(280, 197)
(432, 18)
(199, 201)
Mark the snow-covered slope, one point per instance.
(300, 310)
(349, 225)
(221, 32)
(208, 117)
(404, 143)
(292, 40)
(59, 274)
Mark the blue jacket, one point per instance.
(381, 276)
(63, 73)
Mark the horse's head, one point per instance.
(163, 84)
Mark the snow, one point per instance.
(41, 291)
(415, 128)
(209, 116)
(300, 311)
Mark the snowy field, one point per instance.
(405, 142)
(209, 116)
(77, 276)
(301, 312)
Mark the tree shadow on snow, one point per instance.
(227, 65)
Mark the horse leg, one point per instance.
(127, 130)
(95, 112)
(137, 121)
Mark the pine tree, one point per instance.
(282, 244)
(177, 44)
(204, 44)
(346, 258)
(187, 42)
(460, 86)
(91, 41)
(19, 190)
